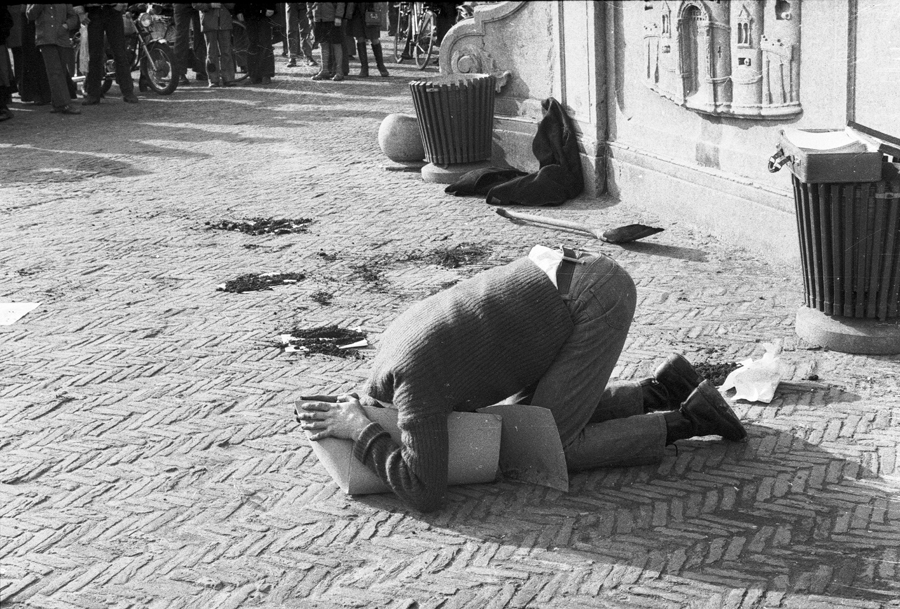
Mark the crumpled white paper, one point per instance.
(756, 381)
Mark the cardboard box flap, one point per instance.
(530, 448)
(474, 451)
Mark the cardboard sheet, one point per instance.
(11, 312)
(474, 452)
(530, 448)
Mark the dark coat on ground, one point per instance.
(559, 178)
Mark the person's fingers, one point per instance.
(315, 406)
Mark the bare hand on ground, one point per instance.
(344, 419)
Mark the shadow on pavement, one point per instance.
(777, 514)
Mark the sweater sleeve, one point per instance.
(416, 471)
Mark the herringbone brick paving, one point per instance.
(149, 456)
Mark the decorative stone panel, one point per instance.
(732, 58)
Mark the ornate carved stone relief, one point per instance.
(733, 58)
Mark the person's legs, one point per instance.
(363, 58)
(601, 299)
(292, 18)
(96, 57)
(254, 52)
(321, 31)
(115, 35)
(379, 57)
(226, 61)
(213, 65)
(199, 46)
(337, 53)
(182, 16)
(267, 61)
(56, 76)
(305, 37)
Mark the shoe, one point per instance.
(323, 76)
(292, 63)
(337, 77)
(311, 62)
(67, 110)
(213, 85)
(5, 114)
(40, 102)
(383, 71)
(183, 81)
(90, 100)
(266, 80)
(130, 98)
(678, 377)
(709, 414)
(201, 77)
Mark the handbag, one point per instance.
(373, 18)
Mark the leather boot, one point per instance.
(678, 377)
(704, 413)
(341, 62)
(379, 60)
(363, 59)
(657, 397)
(323, 73)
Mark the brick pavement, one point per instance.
(149, 457)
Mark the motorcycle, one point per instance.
(147, 47)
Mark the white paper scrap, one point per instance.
(11, 312)
(358, 344)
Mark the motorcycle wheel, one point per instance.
(158, 69)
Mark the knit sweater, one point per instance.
(470, 346)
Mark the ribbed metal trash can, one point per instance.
(456, 117)
(850, 245)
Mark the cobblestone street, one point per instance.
(148, 452)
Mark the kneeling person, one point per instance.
(547, 329)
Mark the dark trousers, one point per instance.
(106, 20)
(55, 62)
(189, 55)
(260, 58)
(33, 85)
(298, 30)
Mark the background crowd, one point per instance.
(45, 48)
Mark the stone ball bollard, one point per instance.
(400, 140)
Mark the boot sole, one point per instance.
(733, 431)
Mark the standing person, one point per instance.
(298, 29)
(260, 56)
(365, 24)
(548, 329)
(190, 52)
(6, 26)
(215, 22)
(327, 18)
(105, 19)
(33, 86)
(53, 24)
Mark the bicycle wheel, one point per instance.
(424, 46)
(240, 44)
(401, 37)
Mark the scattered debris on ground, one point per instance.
(264, 226)
(449, 257)
(252, 282)
(715, 373)
(324, 340)
(368, 272)
(326, 256)
(322, 297)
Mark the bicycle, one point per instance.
(416, 31)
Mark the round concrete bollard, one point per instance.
(400, 140)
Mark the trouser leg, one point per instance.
(56, 75)
(363, 58)
(115, 34)
(213, 61)
(601, 301)
(253, 51)
(339, 58)
(182, 16)
(305, 35)
(267, 61)
(226, 59)
(96, 55)
(199, 48)
(292, 16)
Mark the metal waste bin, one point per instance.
(848, 220)
(456, 117)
